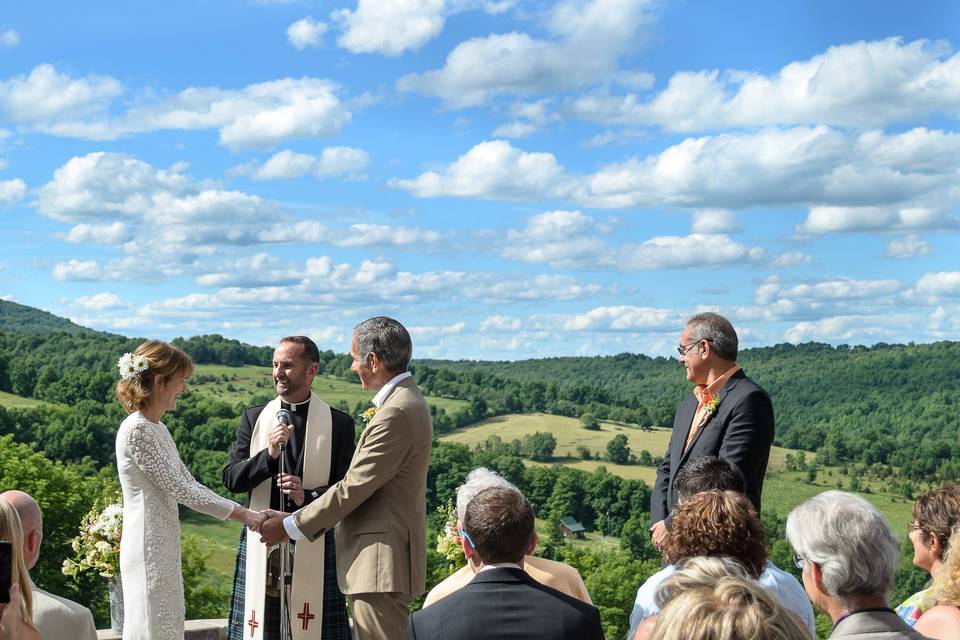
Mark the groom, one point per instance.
(379, 508)
(316, 447)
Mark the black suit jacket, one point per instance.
(243, 473)
(506, 604)
(740, 431)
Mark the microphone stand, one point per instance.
(284, 560)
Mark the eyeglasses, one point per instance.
(682, 349)
(466, 536)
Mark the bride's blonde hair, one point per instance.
(164, 362)
(12, 531)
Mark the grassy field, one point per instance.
(220, 538)
(237, 385)
(10, 400)
(782, 490)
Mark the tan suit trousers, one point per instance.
(380, 616)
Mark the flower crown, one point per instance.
(131, 366)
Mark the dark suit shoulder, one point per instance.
(341, 417)
(254, 412)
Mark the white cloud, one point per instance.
(80, 270)
(829, 289)
(587, 39)
(12, 191)
(259, 115)
(430, 331)
(100, 301)
(306, 32)
(342, 161)
(389, 28)
(528, 118)
(684, 252)
(10, 38)
(839, 219)
(500, 323)
(346, 162)
(910, 246)
(114, 233)
(624, 318)
(944, 283)
(791, 259)
(571, 239)
(46, 95)
(859, 84)
(859, 329)
(367, 235)
(714, 221)
(853, 181)
(491, 170)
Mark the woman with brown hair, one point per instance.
(722, 523)
(935, 514)
(11, 531)
(154, 480)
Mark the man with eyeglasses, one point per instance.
(725, 415)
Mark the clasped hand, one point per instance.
(272, 531)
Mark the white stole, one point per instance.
(305, 605)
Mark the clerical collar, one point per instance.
(296, 407)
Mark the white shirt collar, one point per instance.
(387, 388)
(500, 565)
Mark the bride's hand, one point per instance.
(254, 519)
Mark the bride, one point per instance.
(154, 480)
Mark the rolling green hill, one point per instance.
(19, 317)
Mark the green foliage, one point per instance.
(215, 349)
(65, 495)
(618, 451)
(539, 446)
(590, 422)
(204, 598)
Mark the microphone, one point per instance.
(283, 417)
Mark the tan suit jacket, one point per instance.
(63, 619)
(380, 506)
(558, 575)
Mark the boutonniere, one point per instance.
(367, 415)
(711, 402)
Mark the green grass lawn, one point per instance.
(220, 538)
(11, 400)
(238, 385)
(782, 490)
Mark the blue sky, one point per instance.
(510, 179)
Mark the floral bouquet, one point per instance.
(97, 547)
(448, 540)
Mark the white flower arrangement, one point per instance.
(130, 365)
(97, 548)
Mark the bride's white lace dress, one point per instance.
(154, 480)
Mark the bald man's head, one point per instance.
(31, 518)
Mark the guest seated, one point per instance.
(848, 556)
(935, 514)
(503, 602)
(558, 575)
(54, 617)
(714, 598)
(721, 522)
(12, 532)
(942, 620)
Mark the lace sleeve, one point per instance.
(162, 465)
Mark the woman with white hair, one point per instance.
(848, 556)
(557, 575)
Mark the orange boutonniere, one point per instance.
(710, 402)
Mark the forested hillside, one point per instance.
(887, 411)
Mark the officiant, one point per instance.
(317, 448)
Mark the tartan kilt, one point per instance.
(335, 624)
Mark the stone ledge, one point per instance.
(193, 630)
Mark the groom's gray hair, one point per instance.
(388, 339)
(477, 480)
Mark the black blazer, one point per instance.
(506, 604)
(243, 473)
(740, 431)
